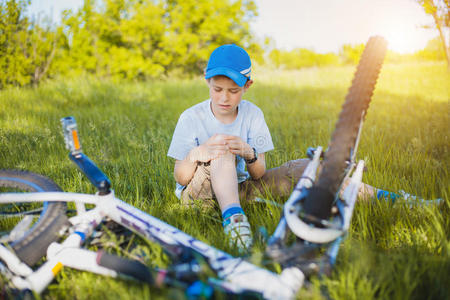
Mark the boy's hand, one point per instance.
(214, 147)
(238, 147)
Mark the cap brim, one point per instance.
(237, 77)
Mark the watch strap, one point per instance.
(252, 160)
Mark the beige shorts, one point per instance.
(277, 182)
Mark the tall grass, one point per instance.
(392, 251)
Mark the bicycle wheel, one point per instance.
(321, 197)
(44, 220)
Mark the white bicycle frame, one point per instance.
(236, 274)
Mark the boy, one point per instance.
(217, 139)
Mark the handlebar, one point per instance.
(87, 166)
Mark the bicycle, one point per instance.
(315, 213)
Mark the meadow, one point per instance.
(391, 252)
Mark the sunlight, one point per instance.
(403, 35)
(401, 40)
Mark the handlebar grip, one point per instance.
(125, 266)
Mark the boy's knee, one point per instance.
(228, 158)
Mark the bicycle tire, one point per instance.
(320, 198)
(33, 245)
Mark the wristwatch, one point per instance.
(252, 160)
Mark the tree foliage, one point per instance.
(134, 39)
(144, 39)
(301, 58)
(27, 48)
(440, 10)
(147, 39)
(350, 54)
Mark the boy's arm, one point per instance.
(258, 168)
(238, 147)
(184, 169)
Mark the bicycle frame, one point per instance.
(237, 274)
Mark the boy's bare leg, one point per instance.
(366, 192)
(224, 180)
(225, 186)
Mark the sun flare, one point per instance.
(402, 36)
(401, 39)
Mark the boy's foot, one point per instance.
(238, 229)
(403, 197)
(414, 200)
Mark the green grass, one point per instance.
(392, 252)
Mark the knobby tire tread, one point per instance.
(346, 130)
(33, 246)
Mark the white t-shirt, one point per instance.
(197, 124)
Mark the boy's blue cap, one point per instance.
(231, 61)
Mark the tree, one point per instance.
(432, 52)
(440, 10)
(44, 43)
(350, 54)
(196, 27)
(114, 38)
(12, 36)
(152, 38)
(27, 48)
(302, 58)
(131, 39)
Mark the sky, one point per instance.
(321, 25)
